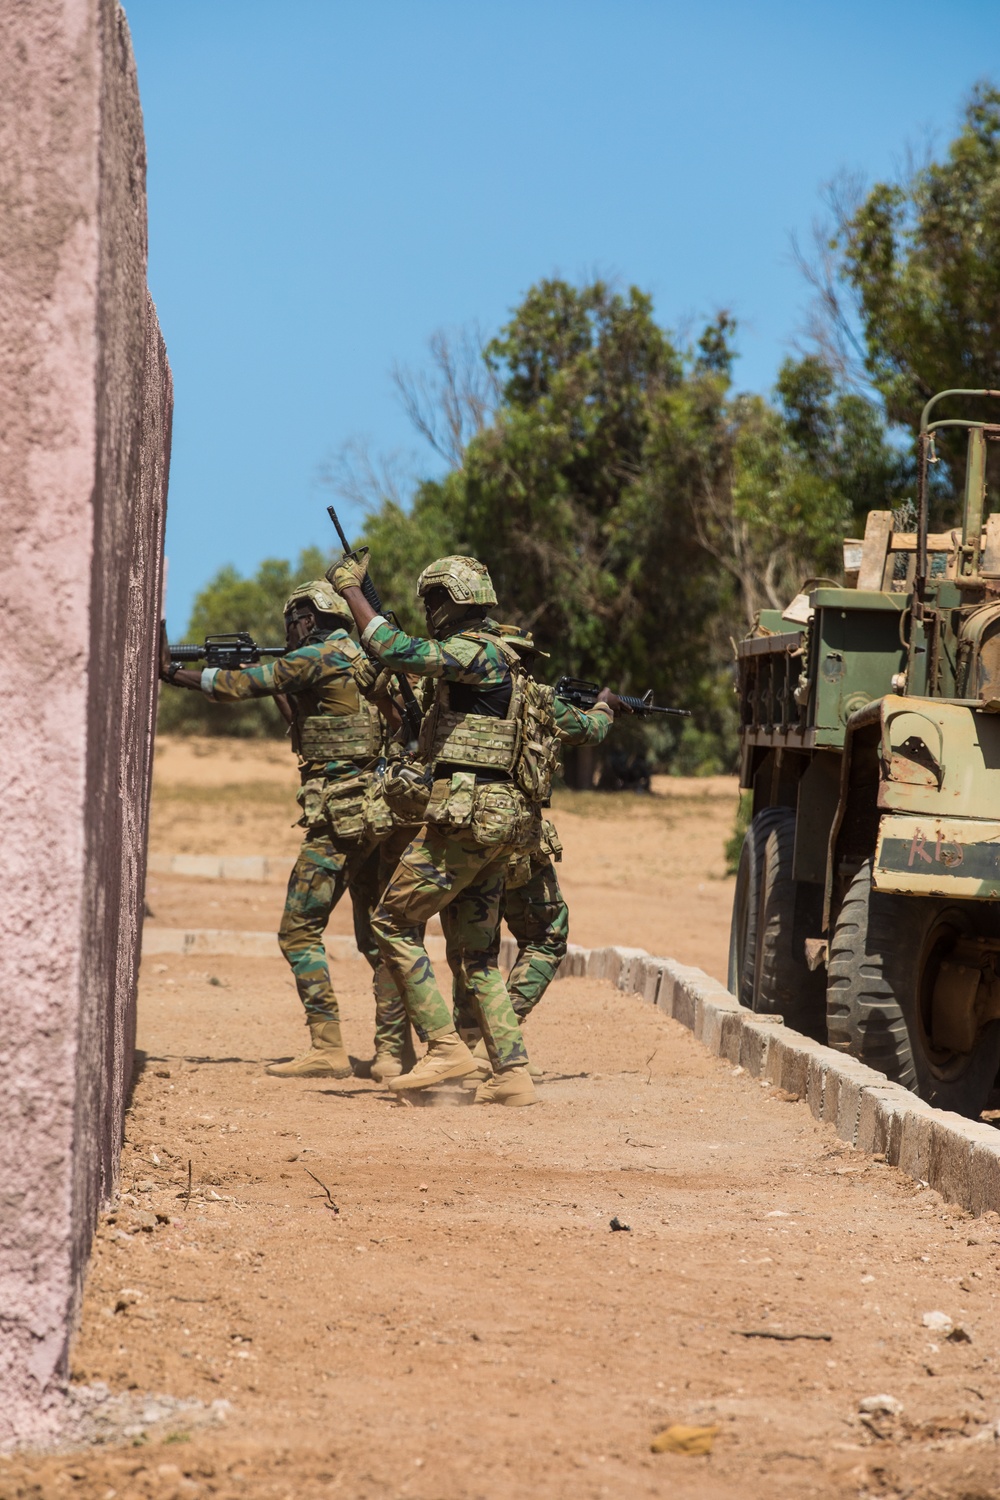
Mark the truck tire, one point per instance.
(789, 912)
(746, 905)
(884, 954)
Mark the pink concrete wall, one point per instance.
(85, 401)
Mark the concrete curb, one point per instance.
(219, 867)
(212, 941)
(957, 1157)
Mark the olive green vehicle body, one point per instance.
(872, 712)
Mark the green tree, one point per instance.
(919, 261)
(633, 510)
(563, 494)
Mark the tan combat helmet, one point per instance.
(465, 583)
(323, 597)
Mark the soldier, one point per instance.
(337, 734)
(490, 742)
(533, 907)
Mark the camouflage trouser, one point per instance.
(450, 873)
(537, 915)
(391, 1020)
(323, 871)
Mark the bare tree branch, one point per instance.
(453, 401)
(366, 480)
(830, 319)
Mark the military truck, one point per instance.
(867, 903)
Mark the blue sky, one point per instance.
(330, 182)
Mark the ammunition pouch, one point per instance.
(355, 736)
(550, 844)
(495, 813)
(501, 815)
(451, 800)
(344, 808)
(520, 869)
(310, 798)
(376, 812)
(406, 792)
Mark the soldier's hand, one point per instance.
(374, 681)
(164, 648)
(350, 572)
(365, 673)
(613, 701)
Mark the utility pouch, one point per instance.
(343, 805)
(407, 792)
(310, 798)
(376, 812)
(519, 871)
(451, 801)
(500, 815)
(550, 845)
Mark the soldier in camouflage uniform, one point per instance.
(490, 743)
(534, 907)
(321, 685)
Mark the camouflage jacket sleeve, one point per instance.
(306, 667)
(579, 726)
(460, 659)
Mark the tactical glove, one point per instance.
(372, 680)
(350, 572)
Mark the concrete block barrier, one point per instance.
(957, 1157)
(209, 942)
(574, 965)
(631, 960)
(646, 976)
(250, 867)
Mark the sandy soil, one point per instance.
(467, 1324)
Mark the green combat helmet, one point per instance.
(463, 581)
(323, 597)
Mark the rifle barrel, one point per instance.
(640, 706)
(367, 587)
(340, 530)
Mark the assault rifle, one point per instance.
(411, 708)
(226, 651)
(584, 695)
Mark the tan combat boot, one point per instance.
(446, 1057)
(326, 1057)
(385, 1065)
(512, 1087)
(484, 1068)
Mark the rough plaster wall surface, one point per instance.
(84, 440)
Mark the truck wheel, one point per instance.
(746, 905)
(789, 912)
(884, 959)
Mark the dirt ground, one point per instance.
(466, 1323)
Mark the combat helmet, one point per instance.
(323, 597)
(466, 585)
